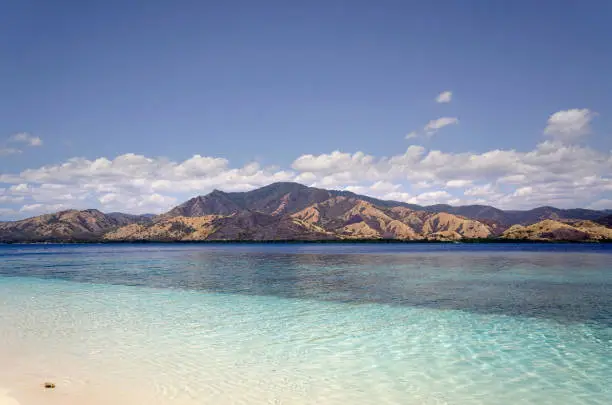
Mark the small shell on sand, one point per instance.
(49, 385)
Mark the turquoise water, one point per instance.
(311, 324)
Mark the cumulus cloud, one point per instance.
(131, 183)
(23, 187)
(444, 97)
(486, 190)
(333, 163)
(141, 203)
(569, 125)
(555, 172)
(458, 183)
(385, 187)
(42, 208)
(523, 191)
(551, 174)
(26, 138)
(432, 197)
(426, 198)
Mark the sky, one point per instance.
(137, 106)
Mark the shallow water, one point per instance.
(306, 324)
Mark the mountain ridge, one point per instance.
(242, 200)
(292, 211)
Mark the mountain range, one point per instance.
(291, 211)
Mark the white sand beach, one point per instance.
(6, 399)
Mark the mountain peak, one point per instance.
(284, 185)
(216, 202)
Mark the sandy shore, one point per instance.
(40, 396)
(6, 399)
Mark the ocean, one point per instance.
(186, 324)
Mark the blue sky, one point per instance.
(271, 83)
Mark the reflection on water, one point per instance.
(562, 282)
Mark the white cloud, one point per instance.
(427, 198)
(26, 138)
(306, 178)
(523, 191)
(569, 125)
(431, 198)
(512, 179)
(434, 125)
(444, 97)
(42, 208)
(150, 203)
(133, 183)
(23, 187)
(458, 183)
(390, 191)
(553, 173)
(486, 190)
(331, 164)
(398, 196)
(385, 187)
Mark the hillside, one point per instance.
(550, 230)
(70, 225)
(508, 218)
(341, 218)
(240, 226)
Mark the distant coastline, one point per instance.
(311, 242)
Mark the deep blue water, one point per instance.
(567, 282)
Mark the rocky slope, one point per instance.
(335, 218)
(354, 218)
(70, 225)
(237, 226)
(550, 230)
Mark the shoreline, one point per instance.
(483, 241)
